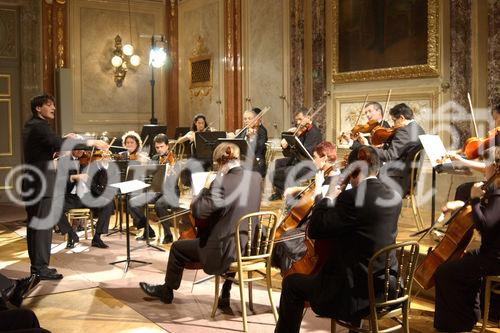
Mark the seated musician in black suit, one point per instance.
(256, 136)
(458, 282)
(373, 112)
(221, 203)
(283, 166)
(363, 227)
(80, 195)
(398, 151)
(165, 200)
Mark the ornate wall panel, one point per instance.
(99, 104)
(201, 19)
(494, 52)
(9, 46)
(460, 67)
(265, 55)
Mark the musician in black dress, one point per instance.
(340, 289)
(458, 282)
(40, 142)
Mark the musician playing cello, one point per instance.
(233, 193)
(458, 282)
(357, 229)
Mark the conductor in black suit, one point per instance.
(40, 142)
(398, 152)
(357, 223)
(222, 202)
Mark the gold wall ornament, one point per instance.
(428, 69)
(200, 70)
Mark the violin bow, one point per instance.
(259, 116)
(361, 111)
(386, 104)
(472, 114)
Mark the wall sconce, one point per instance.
(123, 55)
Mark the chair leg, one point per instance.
(487, 297)
(216, 300)
(243, 303)
(194, 280)
(270, 293)
(92, 229)
(250, 292)
(406, 324)
(333, 326)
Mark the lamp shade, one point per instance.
(157, 57)
(135, 60)
(128, 49)
(116, 61)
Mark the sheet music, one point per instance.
(198, 180)
(130, 186)
(434, 148)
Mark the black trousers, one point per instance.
(38, 242)
(137, 206)
(283, 168)
(182, 252)
(20, 321)
(104, 213)
(458, 285)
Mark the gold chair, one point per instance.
(415, 172)
(82, 214)
(154, 220)
(492, 286)
(394, 303)
(254, 257)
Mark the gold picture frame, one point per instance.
(427, 68)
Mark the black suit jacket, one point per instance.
(355, 232)
(229, 197)
(486, 216)
(398, 154)
(258, 145)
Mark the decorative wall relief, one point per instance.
(8, 34)
(200, 71)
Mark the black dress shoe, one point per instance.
(99, 243)
(164, 293)
(275, 196)
(143, 237)
(72, 239)
(23, 287)
(50, 276)
(70, 244)
(168, 239)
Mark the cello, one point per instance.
(454, 243)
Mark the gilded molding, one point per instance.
(9, 135)
(60, 38)
(403, 72)
(9, 87)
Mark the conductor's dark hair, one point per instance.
(40, 100)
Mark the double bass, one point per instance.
(454, 243)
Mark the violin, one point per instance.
(97, 155)
(380, 134)
(452, 246)
(167, 158)
(474, 146)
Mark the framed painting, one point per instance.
(385, 39)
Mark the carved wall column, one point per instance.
(232, 64)
(172, 75)
(55, 40)
(494, 52)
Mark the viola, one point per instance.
(473, 146)
(380, 134)
(452, 246)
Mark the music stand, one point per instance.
(153, 175)
(205, 143)
(181, 131)
(148, 133)
(296, 148)
(124, 188)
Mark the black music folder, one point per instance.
(295, 148)
(205, 143)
